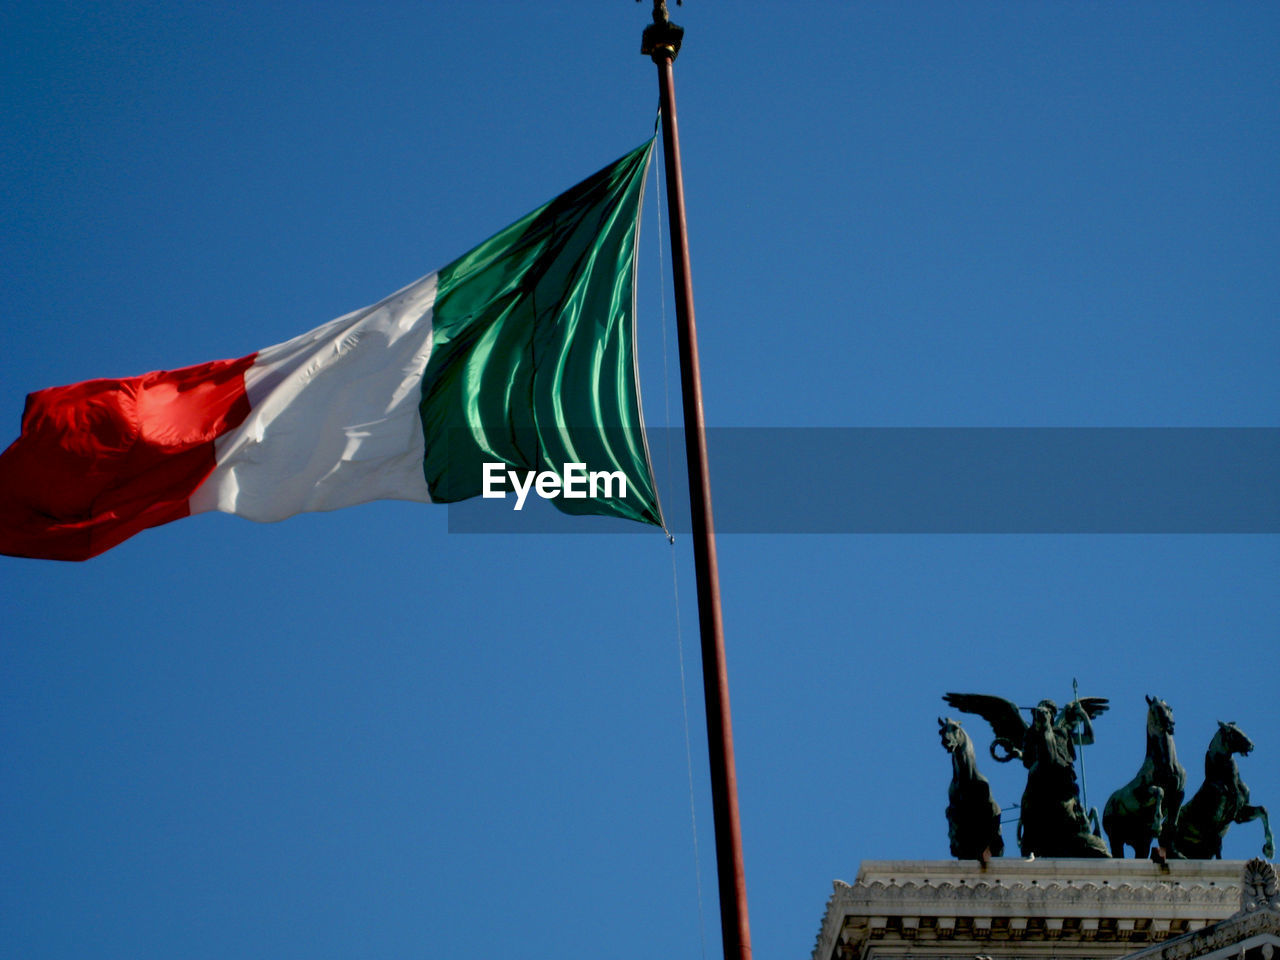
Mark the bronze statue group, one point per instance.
(1052, 820)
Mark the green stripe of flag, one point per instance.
(533, 360)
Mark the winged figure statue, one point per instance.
(1051, 819)
(1006, 720)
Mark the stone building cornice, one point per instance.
(1255, 924)
(941, 908)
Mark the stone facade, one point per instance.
(1251, 933)
(1017, 909)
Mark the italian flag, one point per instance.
(520, 352)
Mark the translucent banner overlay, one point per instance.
(948, 480)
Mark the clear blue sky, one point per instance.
(358, 735)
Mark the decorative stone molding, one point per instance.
(1094, 909)
(1251, 933)
(1226, 936)
(1259, 889)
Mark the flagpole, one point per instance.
(661, 43)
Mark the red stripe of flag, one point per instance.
(98, 461)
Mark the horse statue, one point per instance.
(1222, 800)
(1052, 821)
(973, 816)
(1146, 808)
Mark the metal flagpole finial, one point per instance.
(661, 40)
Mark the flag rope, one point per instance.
(688, 756)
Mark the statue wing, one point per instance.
(1094, 706)
(1003, 715)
